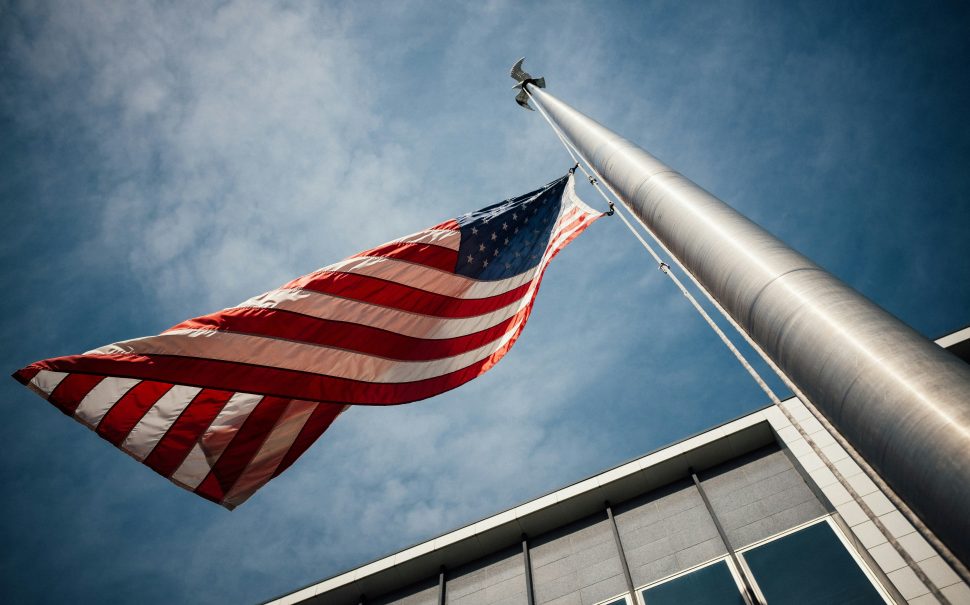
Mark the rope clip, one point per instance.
(664, 267)
(592, 179)
(612, 209)
(573, 169)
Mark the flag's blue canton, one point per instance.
(510, 237)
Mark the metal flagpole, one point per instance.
(902, 401)
(903, 508)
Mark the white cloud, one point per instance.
(245, 144)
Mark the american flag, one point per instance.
(222, 403)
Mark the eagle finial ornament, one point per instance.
(522, 78)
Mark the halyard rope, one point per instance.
(664, 267)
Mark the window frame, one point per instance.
(847, 544)
(828, 519)
(735, 575)
(623, 596)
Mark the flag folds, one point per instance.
(221, 404)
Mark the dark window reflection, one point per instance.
(711, 585)
(810, 567)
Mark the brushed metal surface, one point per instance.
(900, 399)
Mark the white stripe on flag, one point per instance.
(157, 420)
(302, 357)
(335, 308)
(428, 278)
(45, 382)
(271, 453)
(446, 238)
(213, 442)
(102, 398)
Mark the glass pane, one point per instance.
(810, 567)
(711, 585)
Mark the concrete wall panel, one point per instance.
(758, 495)
(577, 564)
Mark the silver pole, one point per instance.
(902, 401)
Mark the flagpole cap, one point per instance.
(522, 78)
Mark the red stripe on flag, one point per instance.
(70, 391)
(263, 380)
(125, 414)
(449, 225)
(270, 381)
(25, 375)
(211, 490)
(437, 257)
(318, 422)
(186, 431)
(244, 445)
(277, 323)
(584, 221)
(213, 374)
(406, 298)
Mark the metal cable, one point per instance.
(665, 268)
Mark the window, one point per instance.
(709, 585)
(810, 567)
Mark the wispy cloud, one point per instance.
(222, 132)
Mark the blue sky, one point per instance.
(160, 160)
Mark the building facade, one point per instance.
(772, 507)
